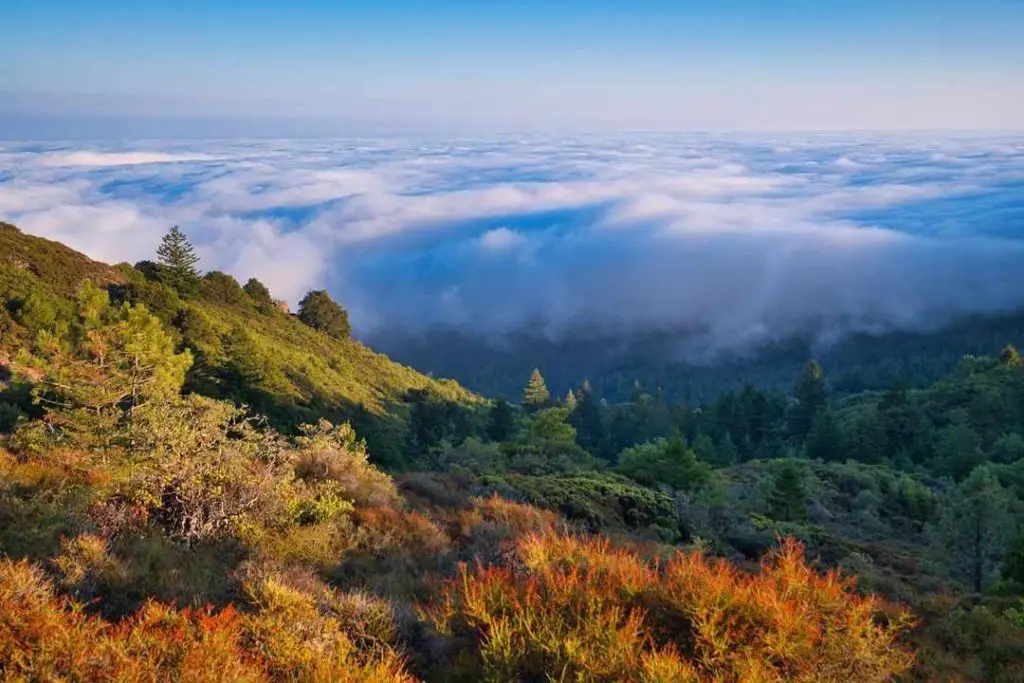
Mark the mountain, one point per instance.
(247, 351)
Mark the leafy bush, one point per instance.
(599, 501)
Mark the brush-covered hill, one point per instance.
(246, 346)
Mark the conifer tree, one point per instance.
(810, 399)
(788, 498)
(570, 401)
(502, 423)
(976, 526)
(825, 441)
(536, 395)
(178, 258)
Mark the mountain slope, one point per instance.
(248, 352)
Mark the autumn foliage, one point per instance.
(46, 638)
(578, 610)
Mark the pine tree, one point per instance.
(570, 401)
(97, 383)
(810, 396)
(975, 527)
(178, 259)
(536, 394)
(502, 421)
(589, 423)
(788, 498)
(825, 442)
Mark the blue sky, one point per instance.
(80, 68)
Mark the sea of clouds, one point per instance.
(746, 238)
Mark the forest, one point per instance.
(198, 484)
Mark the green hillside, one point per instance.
(247, 350)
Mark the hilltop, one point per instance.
(250, 351)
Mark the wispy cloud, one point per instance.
(746, 238)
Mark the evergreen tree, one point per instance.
(788, 498)
(976, 524)
(665, 461)
(178, 261)
(101, 378)
(318, 310)
(536, 394)
(727, 454)
(810, 396)
(589, 422)
(570, 401)
(502, 421)
(825, 442)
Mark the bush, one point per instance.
(328, 452)
(592, 613)
(290, 637)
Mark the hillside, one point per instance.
(247, 351)
(184, 482)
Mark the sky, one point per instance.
(744, 238)
(74, 69)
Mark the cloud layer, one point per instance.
(742, 238)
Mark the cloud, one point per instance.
(741, 239)
(501, 239)
(99, 159)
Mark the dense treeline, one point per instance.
(683, 369)
(189, 485)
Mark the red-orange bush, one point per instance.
(580, 610)
(43, 637)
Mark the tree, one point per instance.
(810, 396)
(222, 288)
(318, 310)
(975, 526)
(570, 401)
(536, 394)
(259, 294)
(178, 259)
(589, 423)
(502, 421)
(98, 377)
(825, 442)
(665, 461)
(787, 501)
(1010, 357)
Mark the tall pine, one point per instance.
(536, 394)
(178, 259)
(811, 398)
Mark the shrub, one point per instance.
(302, 637)
(45, 638)
(328, 452)
(588, 612)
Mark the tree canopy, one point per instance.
(318, 310)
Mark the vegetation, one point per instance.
(194, 485)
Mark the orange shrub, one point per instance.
(45, 638)
(581, 610)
